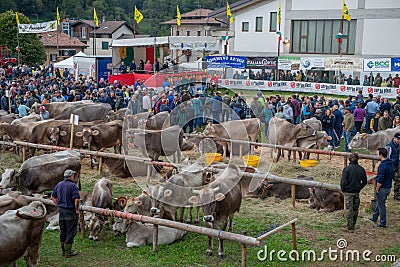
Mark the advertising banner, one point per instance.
(261, 62)
(308, 63)
(226, 61)
(377, 64)
(289, 63)
(307, 87)
(340, 63)
(395, 64)
(48, 26)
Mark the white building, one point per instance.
(310, 27)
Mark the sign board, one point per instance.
(236, 62)
(74, 119)
(261, 62)
(289, 63)
(395, 64)
(342, 63)
(308, 63)
(377, 64)
(48, 26)
(307, 87)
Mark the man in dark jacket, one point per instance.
(383, 185)
(393, 151)
(354, 179)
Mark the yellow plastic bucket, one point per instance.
(308, 163)
(213, 157)
(251, 160)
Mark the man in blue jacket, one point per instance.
(216, 107)
(393, 150)
(383, 185)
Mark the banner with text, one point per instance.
(377, 64)
(395, 64)
(307, 87)
(308, 63)
(261, 62)
(343, 63)
(48, 26)
(226, 62)
(289, 63)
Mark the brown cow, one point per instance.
(220, 200)
(21, 233)
(12, 201)
(326, 201)
(119, 203)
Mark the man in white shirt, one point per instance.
(146, 105)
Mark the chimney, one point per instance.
(104, 19)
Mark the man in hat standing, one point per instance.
(393, 150)
(348, 124)
(66, 197)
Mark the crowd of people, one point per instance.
(319, 77)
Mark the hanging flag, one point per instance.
(279, 12)
(16, 17)
(346, 14)
(229, 13)
(96, 19)
(178, 16)
(137, 16)
(58, 18)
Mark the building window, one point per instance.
(245, 26)
(259, 24)
(188, 33)
(198, 33)
(104, 45)
(83, 29)
(53, 57)
(273, 21)
(177, 33)
(318, 36)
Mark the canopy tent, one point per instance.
(79, 64)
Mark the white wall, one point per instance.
(379, 37)
(122, 30)
(382, 4)
(257, 43)
(325, 4)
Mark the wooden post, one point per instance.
(294, 238)
(148, 174)
(155, 237)
(244, 248)
(345, 161)
(71, 141)
(23, 154)
(82, 221)
(293, 194)
(240, 150)
(100, 165)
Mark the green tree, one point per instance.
(32, 50)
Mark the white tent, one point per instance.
(79, 64)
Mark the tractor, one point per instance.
(6, 61)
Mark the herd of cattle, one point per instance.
(219, 195)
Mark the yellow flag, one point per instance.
(16, 17)
(279, 12)
(58, 18)
(96, 19)
(229, 13)
(346, 14)
(137, 16)
(178, 16)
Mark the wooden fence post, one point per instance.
(155, 237)
(293, 195)
(294, 238)
(82, 221)
(148, 174)
(23, 154)
(244, 248)
(100, 165)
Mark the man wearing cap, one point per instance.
(348, 124)
(393, 150)
(44, 114)
(66, 197)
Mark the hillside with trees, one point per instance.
(154, 11)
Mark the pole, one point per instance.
(18, 52)
(71, 141)
(154, 57)
(341, 31)
(58, 51)
(226, 41)
(94, 41)
(277, 76)
(134, 29)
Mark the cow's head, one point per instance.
(359, 141)
(8, 179)
(87, 136)
(95, 227)
(35, 210)
(55, 134)
(119, 203)
(157, 193)
(207, 197)
(209, 130)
